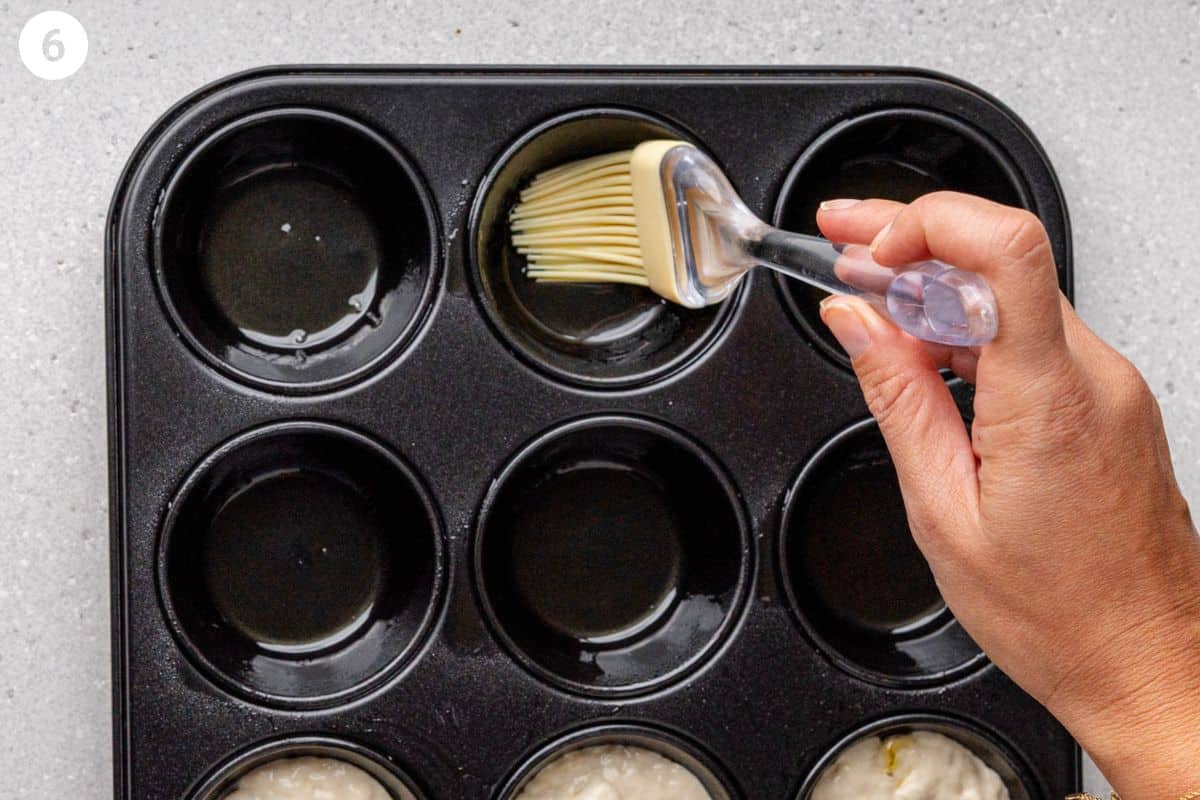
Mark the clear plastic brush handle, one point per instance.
(717, 239)
(931, 300)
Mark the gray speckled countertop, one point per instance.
(1111, 88)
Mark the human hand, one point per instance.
(1055, 528)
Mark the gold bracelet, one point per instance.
(1114, 796)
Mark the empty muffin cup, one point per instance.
(670, 746)
(598, 335)
(983, 744)
(611, 555)
(223, 781)
(896, 154)
(300, 564)
(857, 582)
(295, 249)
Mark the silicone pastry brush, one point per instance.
(663, 215)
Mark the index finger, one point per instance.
(1009, 247)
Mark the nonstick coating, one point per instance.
(456, 402)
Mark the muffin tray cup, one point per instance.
(374, 495)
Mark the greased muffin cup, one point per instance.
(300, 563)
(855, 579)
(603, 335)
(611, 555)
(893, 153)
(465, 521)
(295, 249)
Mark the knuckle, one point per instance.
(1132, 396)
(939, 197)
(925, 524)
(943, 542)
(930, 205)
(1182, 511)
(1020, 238)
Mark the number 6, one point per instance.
(52, 48)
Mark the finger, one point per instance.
(962, 361)
(855, 221)
(1010, 248)
(916, 414)
(855, 267)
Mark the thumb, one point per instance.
(917, 416)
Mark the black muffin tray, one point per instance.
(376, 495)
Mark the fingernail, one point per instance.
(839, 204)
(879, 237)
(846, 325)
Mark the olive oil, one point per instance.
(290, 258)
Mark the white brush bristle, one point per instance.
(575, 223)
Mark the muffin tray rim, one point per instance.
(132, 389)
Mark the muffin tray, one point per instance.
(376, 495)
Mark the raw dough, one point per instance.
(921, 765)
(613, 772)
(308, 778)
